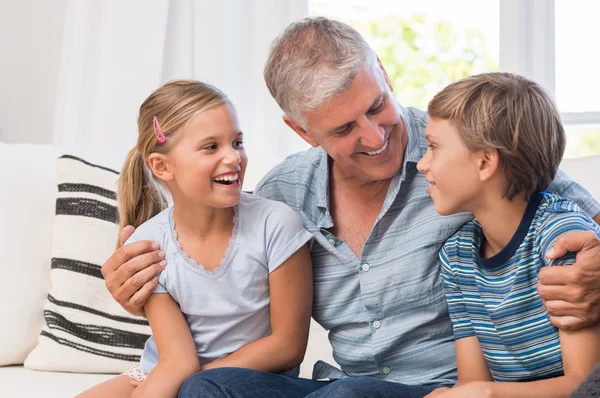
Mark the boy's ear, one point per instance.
(488, 162)
(160, 167)
(294, 125)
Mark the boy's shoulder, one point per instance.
(558, 215)
(153, 229)
(463, 240)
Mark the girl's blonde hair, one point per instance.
(140, 195)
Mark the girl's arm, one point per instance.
(290, 288)
(177, 356)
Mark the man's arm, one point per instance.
(130, 272)
(572, 294)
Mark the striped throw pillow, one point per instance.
(85, 330)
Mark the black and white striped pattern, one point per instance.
(85, 330)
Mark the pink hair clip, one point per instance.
(158, 131)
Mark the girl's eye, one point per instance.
(238, 143)
(210, 147)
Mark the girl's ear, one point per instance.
(488, 163)
(160, 167)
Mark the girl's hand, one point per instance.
(474, 389)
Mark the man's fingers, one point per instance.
(568, 322)
(565, 308)
(139, 263)
(125, 253)
(134, 283)
(570, 242)
(125, 234)
(137, 301)
(558, 276)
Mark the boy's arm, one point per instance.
(470, 361)
(580, 353)
(177, 356)
(290, 288)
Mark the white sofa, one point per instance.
(27, 206)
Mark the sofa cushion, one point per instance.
(27, 207)
(85, 330)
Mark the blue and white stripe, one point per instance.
(496, 300)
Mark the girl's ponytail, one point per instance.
(139, 197)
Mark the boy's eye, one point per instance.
(210, 147)
(238, 143)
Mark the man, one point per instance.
(376, 235)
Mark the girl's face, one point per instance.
(208, 160)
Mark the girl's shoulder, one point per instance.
(258, 208)
(262, 217)
(156, 228)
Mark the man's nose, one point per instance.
(372, 134)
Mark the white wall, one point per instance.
(30, 39)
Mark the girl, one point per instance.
(238, 288)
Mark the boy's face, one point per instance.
(450, 168)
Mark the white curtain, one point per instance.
(115, 52)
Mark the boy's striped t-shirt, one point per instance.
(496, 300)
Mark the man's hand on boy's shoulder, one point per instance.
(130, 272)
(572, 294)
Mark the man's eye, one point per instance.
(345, 131)
(378, 108)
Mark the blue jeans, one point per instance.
(246, 383)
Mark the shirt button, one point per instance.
(366, 267)
(386, 370)
(331, 242)
(376, 324)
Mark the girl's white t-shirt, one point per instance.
(228, 307)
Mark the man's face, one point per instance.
(361, 129)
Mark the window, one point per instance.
(423, 45)
(427, 44)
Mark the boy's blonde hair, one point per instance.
(140, 194)
(513, 115)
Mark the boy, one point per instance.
(495, 142)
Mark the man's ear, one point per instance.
(488, 162)
(385, 74)
(160, 167)
(300, 131)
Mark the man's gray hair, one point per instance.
(313, 60)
